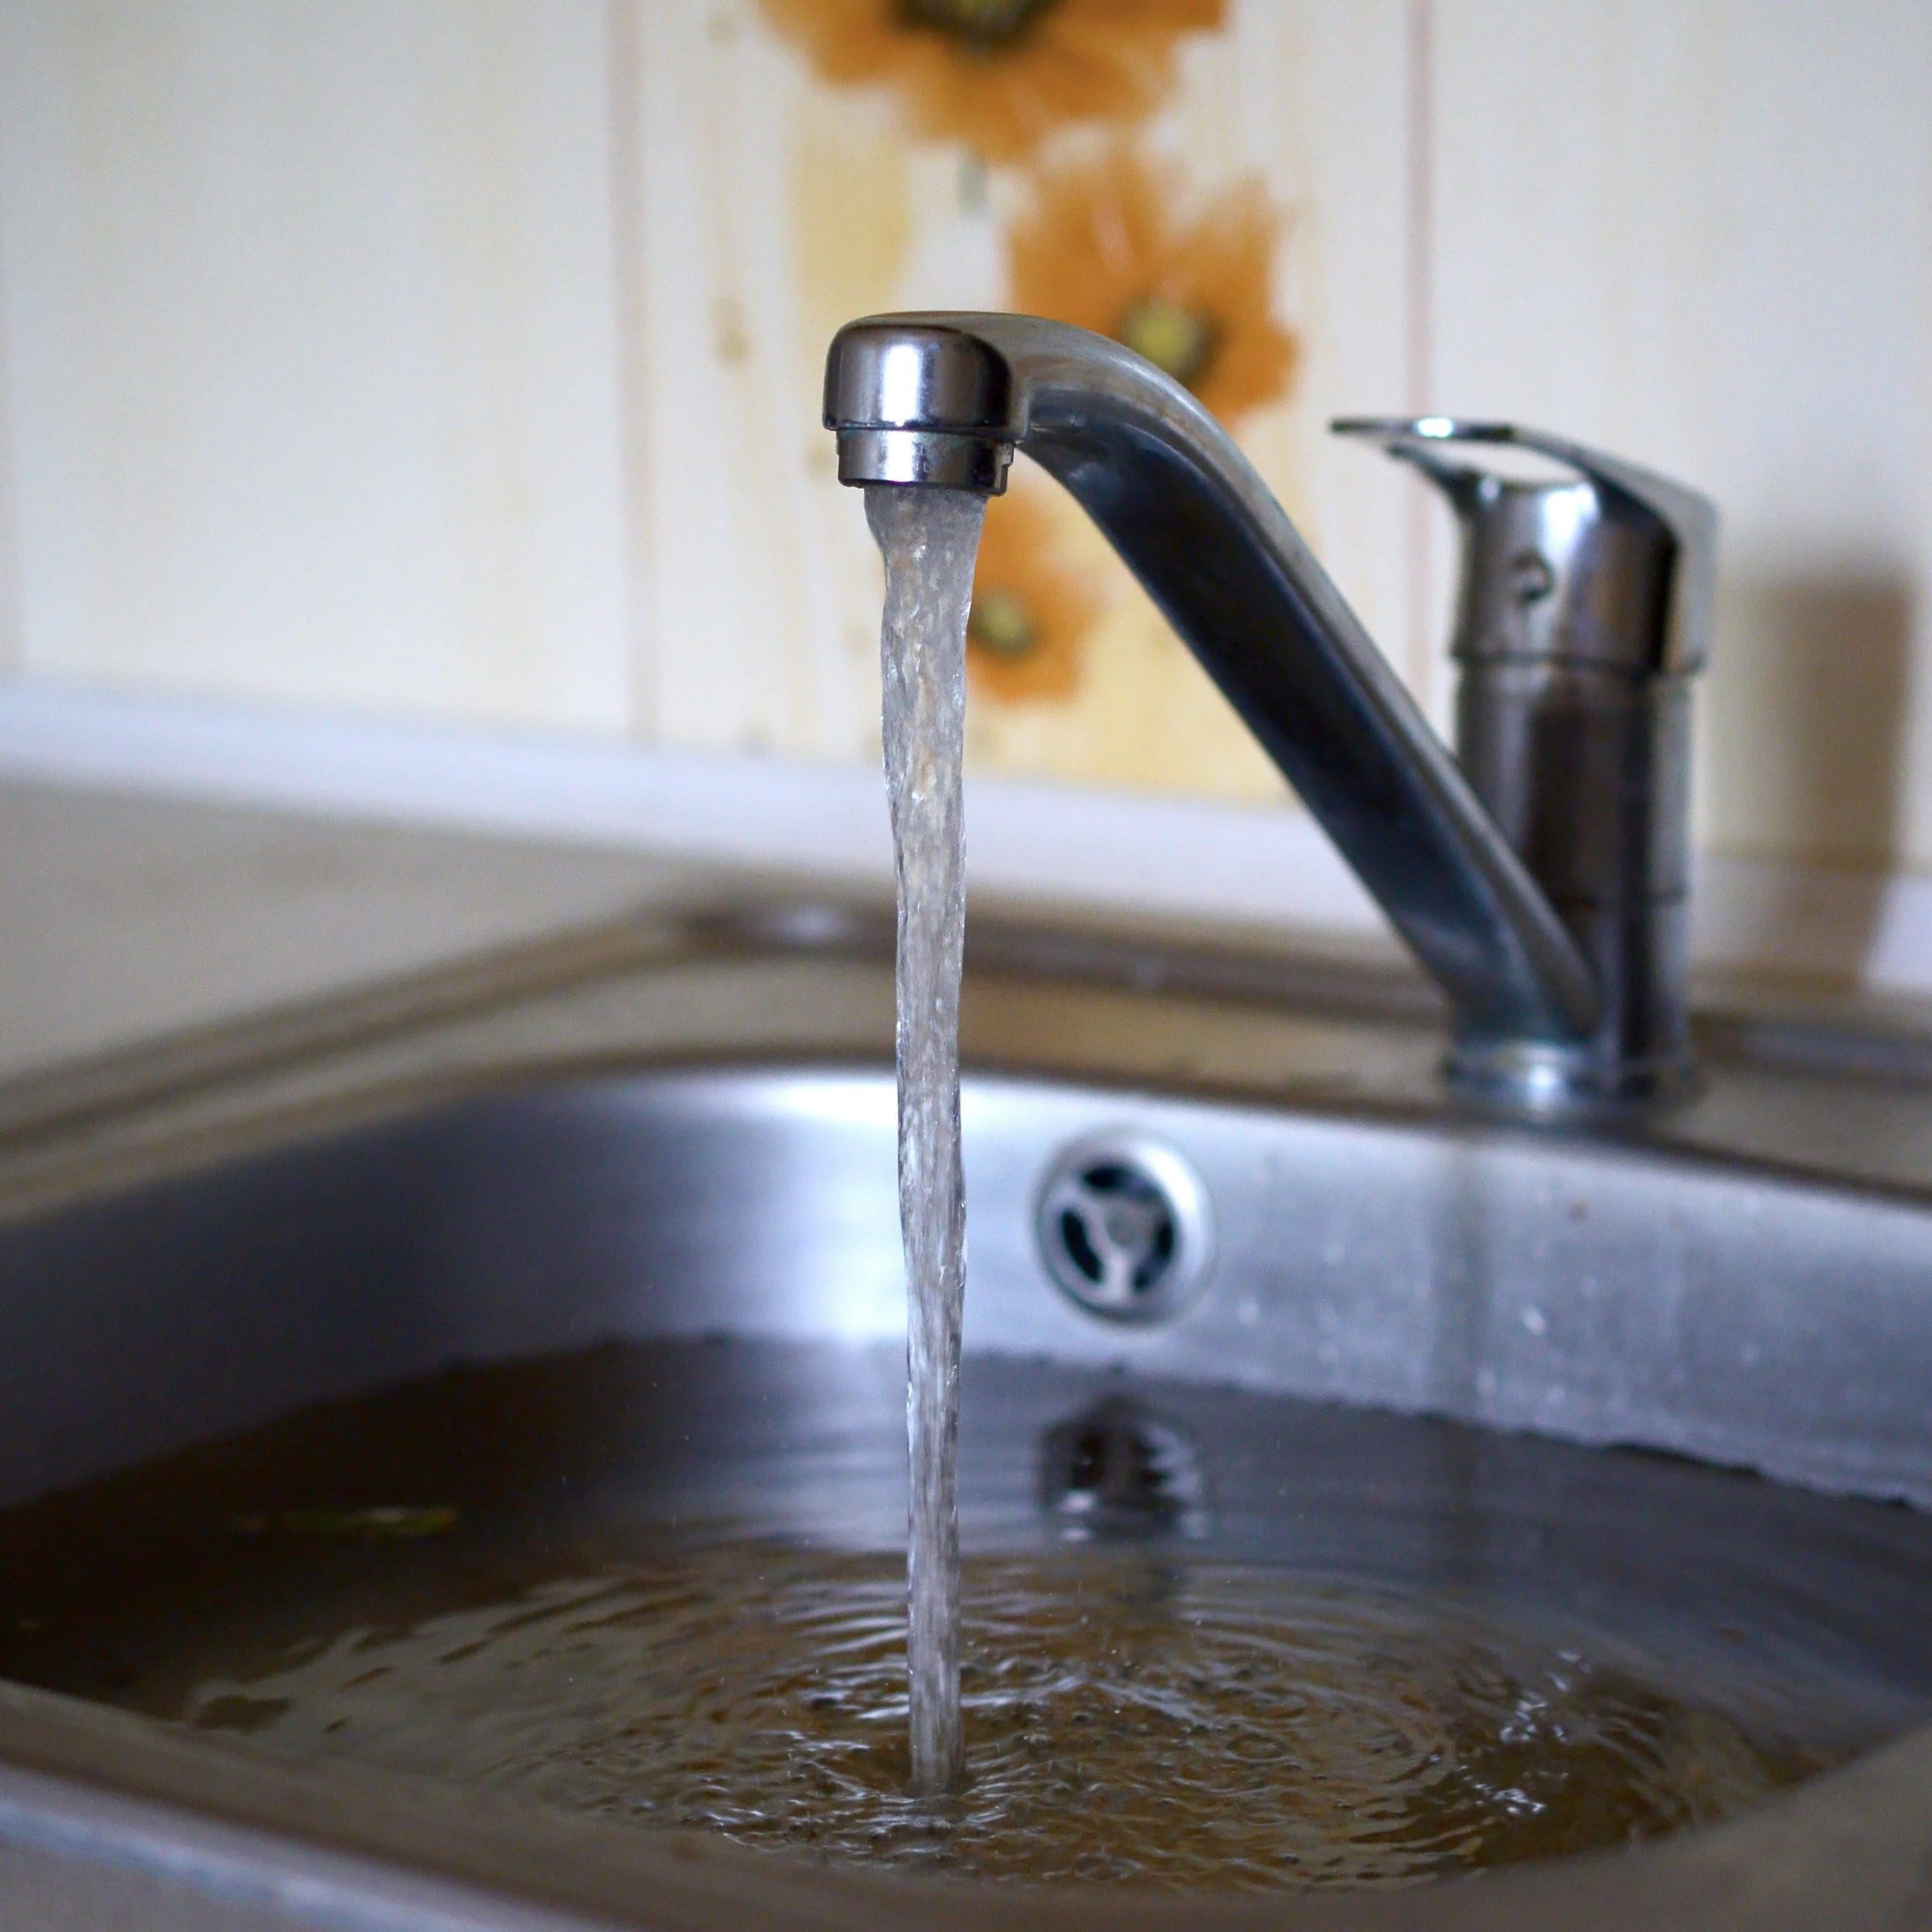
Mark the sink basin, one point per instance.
(683, 1130)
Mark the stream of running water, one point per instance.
(929, 538)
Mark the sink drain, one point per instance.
(1123, 1227)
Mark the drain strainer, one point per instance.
(1123, 1227)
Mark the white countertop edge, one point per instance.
(1134, 852)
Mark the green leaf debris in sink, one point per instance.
(386, 1523)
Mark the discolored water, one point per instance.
(929, 538)
(1196, 1724)
(1211, 1639)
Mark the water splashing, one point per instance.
(929, 538)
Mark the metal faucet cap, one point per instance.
(916, 401)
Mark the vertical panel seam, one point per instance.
(13, 566)
(1419, 345)
(623, 91)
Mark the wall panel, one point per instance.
(308, 345)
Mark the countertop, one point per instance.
(124, 917)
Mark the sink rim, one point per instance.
(1781, 1070)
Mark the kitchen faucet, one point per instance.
(1539, 875)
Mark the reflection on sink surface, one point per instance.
(1375, 1339)
(1520, 1280)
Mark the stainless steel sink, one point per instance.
(683, 1128)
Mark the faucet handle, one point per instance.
(1613, 566)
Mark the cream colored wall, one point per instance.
(458, 359)
(310, 353)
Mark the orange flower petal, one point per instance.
(1106, 234)
(1020, 564)
(1075, 60)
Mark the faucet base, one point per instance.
(1545, 1080)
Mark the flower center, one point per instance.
(1179, 341)
(1000, 622)
(978, 22)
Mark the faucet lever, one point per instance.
(1613, 565)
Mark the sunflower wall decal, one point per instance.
(1000, 76)
(1090, 228)
(1033, 602)
(1112, 243)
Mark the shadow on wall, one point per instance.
(1806, 711)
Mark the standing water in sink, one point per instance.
(929, 538)
(660, 1584)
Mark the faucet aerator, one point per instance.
(935, 459)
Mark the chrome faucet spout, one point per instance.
(946, 399)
